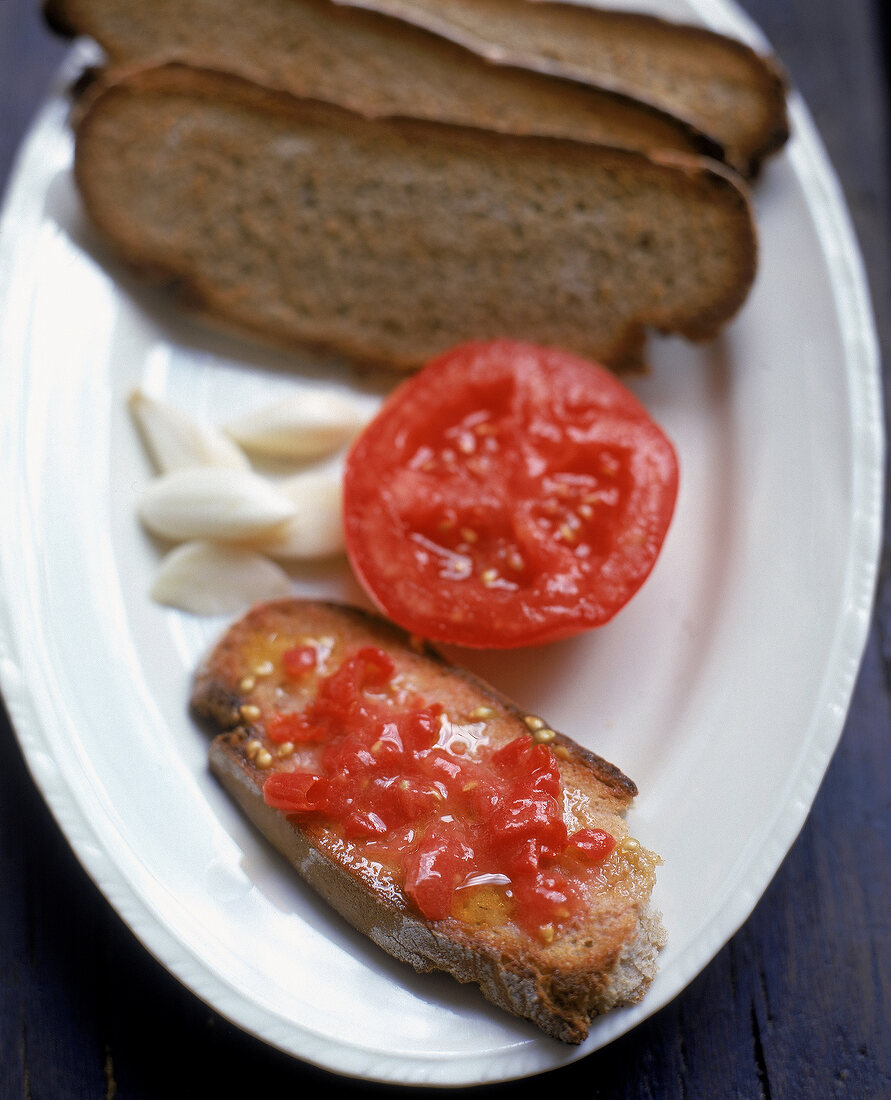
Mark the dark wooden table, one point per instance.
(796, 1005)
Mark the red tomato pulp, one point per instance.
(507, 495)
(457, 826)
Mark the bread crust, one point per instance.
(561, 39)
(608, 960)
(678, 255)
(372, 63)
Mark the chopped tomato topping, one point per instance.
(386, 779)
(434, 869)
(594, 844)
(292, 726)
(295, 792)
(299, 660)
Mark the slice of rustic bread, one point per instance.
(393, 239)
(607, 956)
(371, 63)
(720, 85)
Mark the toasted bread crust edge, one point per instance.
(56, 18)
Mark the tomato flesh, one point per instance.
(299, 660)
(507, 495)
(446, 819)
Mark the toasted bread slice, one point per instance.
(371, 63)
(720, 85)
(604, 957)
(392, 240)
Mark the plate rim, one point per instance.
(851, 295)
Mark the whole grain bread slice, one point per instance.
(392, 240)
(717, 83)
(371, 63)
(605, 958)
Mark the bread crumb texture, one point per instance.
(394, 240)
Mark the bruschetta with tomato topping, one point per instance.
(458, 831)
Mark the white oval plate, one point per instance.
(721, 689)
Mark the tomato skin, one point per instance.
(433, 870)
(296, 792)
(592, 844)
(507, 495)
(299, 660)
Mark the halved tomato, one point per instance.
(507, 495)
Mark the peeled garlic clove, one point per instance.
(209, 502)
(207, 579)
(316, 528)
(175, 441)
(304, 425)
